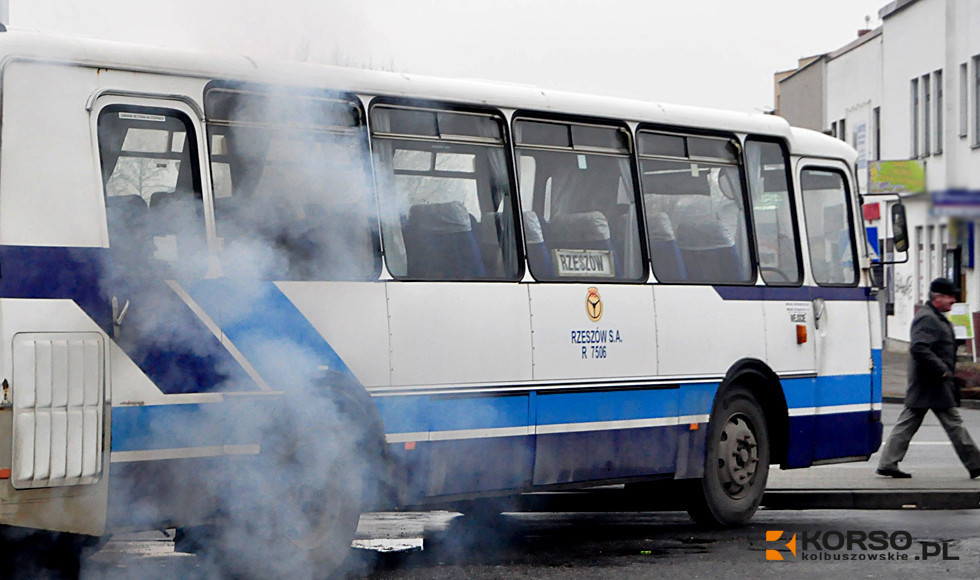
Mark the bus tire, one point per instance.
(736, 462)
(27, 554)
(297, 516)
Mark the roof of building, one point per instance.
(894, 6)
(860, 40)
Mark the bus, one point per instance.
(249, 301)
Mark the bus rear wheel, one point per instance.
(296, 513)
(736, 462)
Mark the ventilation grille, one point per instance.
(58, 400)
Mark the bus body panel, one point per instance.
(50, 185)
(353, 318)
(55, 416)
(614, 336)
(784, 349)
(447, 333)
(699, 332)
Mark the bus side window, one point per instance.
(773, 213)
(446, 201)
(829, 228)
(290, 175)
(154, 206)
(580, 216)
(695, 213)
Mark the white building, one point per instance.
(908, 90)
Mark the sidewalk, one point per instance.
(855, 485)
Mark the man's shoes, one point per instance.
(899, 474)
(975, 473)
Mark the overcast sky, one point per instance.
(714, 53)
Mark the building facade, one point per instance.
(907, 92)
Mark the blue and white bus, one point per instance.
(266, 297)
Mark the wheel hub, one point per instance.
(738, 456)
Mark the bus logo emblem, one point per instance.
(593, 304)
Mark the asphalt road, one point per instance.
(436, 545)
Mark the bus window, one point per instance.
(578, 201)
(292, 197)
(829, 229)
(772, 212)
(695, 209)
(445, 194)
(154, 206)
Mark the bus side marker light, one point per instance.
(695, 426)
(800, 333)
(4, 474)
(409, 445)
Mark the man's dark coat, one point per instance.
(933, 350)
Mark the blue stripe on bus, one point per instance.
(145, 427)
(266, 327)
(827, 391)
(450, 414)
(57, 272)
(800, 293)
(422, 414)
(599, 406)
(192, 362)
(818, 437)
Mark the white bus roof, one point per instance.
(101, 53)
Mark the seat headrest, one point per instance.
(532, 228)
(450, 217)
(659, 227)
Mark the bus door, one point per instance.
(843, 389)
(149, 153)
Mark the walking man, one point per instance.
(931, 365)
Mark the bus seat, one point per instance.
(129, 240)
(708, 252)
(538, 255)
(582, 231)
(126, 216)
(668, 265)
(439, 243)
(172, 211)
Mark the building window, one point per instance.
(938, 78)
(842, 127)
(914, 98)
(926, 116)
(964, 101)
(976, 100)
(920, 270)
(876, 119)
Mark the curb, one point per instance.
(871, 500)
